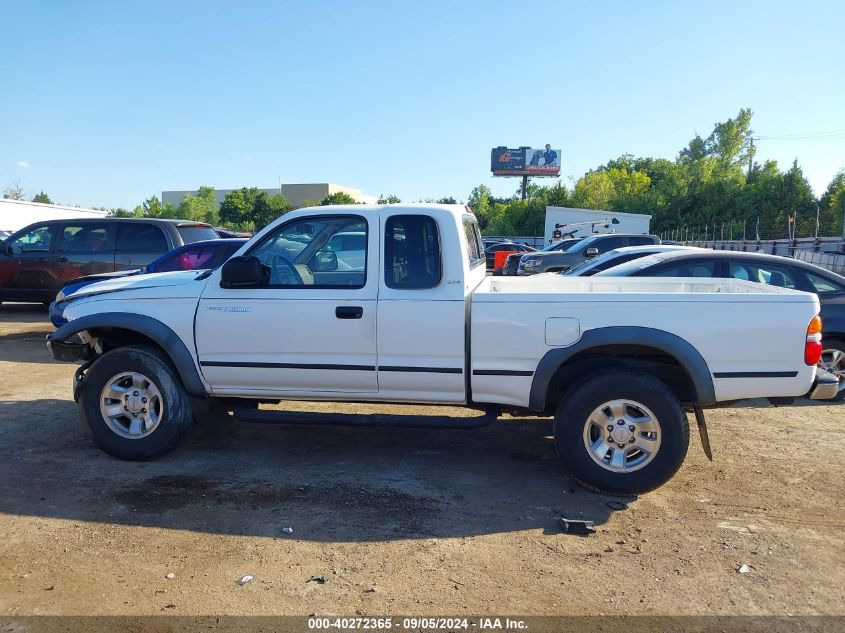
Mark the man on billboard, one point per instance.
(549, 156)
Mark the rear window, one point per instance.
(475, 247)
(196, 233)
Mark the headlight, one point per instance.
(531, 263)
(60, 296)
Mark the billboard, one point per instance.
(525, 161)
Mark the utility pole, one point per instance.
(524, 187)
(750, 157)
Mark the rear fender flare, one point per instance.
(683, 352)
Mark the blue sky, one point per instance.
(107, 103)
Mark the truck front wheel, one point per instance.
(621, 432)
(134, 404)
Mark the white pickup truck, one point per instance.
(408, 315)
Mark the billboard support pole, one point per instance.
(524, 187)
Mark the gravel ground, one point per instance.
(404, 521)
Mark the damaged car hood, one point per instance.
(178, 281)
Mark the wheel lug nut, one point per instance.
(144, 400)
(610, 428)
(621, 423)
(631, 428)
(631, 441)
(621, 445)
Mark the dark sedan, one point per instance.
(512, 262)
(778, 271)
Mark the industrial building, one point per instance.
(297, 194)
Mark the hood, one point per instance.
(139, 282)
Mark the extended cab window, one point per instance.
(822, 285)
(412, 252)
(763, 273)
(324, 252)
(687, 269)
(475, 247)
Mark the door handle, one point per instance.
(63, 259)
(349, 312)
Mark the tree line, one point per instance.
(714, 183)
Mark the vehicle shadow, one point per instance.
(327, 483)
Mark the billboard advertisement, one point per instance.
(525, 161)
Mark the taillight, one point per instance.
(813, 346)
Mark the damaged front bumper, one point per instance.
(71, 351)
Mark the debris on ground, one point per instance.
(616, 505)
(320, 580)
(170, 575)
(577, 526)
(744, 569)
(370, 590)
(287, 530)
(245, 580)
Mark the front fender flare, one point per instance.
(687, 356)
(167, 340)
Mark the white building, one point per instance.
(296, 194)
(16, 214)
(626, 222)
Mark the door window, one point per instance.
(38, 239)
(86, 238)
(609, 244)
(412, 252)
(763, 273)
(325, 252)
(140, 236)
(636, 240)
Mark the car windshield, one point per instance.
(635, 265)
(563, 245)
(592, 263)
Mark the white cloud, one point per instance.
(23, 164)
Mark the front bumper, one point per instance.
(825, 386)
(71, 351)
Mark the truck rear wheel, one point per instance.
(134, 404)
(621, 432)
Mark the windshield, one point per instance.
(592, 263)
(563, 245)
(633, 266)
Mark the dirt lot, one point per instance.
(404, 521)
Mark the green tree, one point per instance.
(42, 198)
(338, 197)
(390, 199)
(201, 207)
(237, 206)
(13, 191)
(447, 200)
(267, 208)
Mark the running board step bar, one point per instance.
(246, 414)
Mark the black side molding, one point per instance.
(676, 347)
(153, 329)
(755, 374)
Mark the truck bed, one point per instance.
(746, 332)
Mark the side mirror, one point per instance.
(592, 252)
(325, 262)
(244, 272)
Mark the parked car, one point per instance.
(512, 262)
(197, 256)
(618, 364)
(773, 270)
(585, 249)
(490, 251)
(4, 235)
(38, 260)
(617, 256)
(227, 233)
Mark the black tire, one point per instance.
(175, 422)
(839, 346)
(584, 397)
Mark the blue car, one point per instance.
(195, 256)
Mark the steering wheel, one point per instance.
(285, 273)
